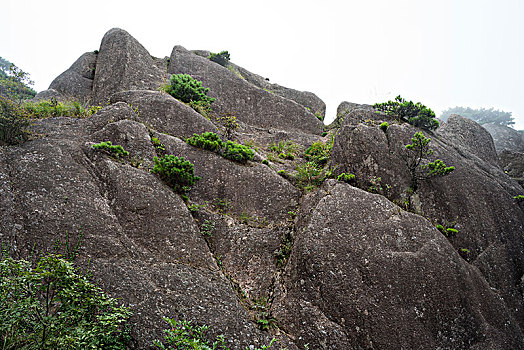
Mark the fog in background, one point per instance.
(442, 53)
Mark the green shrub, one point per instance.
(176, 172)
(14, 123)
(451, 231)
(309, 176)
(417, 153)
(159, 146)
(384, 126)
(285, 149)
(185, 88)
(53, 108)
(519, 198)
(347, 178)
(184, 335)
(208, 140)
(414, 113)
(222, 58)
(230, 124)
(237, 152)
(318, 153)
(53, 306)
(265, 162)
(116, 151)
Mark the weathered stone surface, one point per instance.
(477, 197)
(364, 274)
(464, 132)
(513, 165)
(505, 137)
(77, 81)
(248, 103)
(164, 113)
(47, 95)
(305, 98)
(224, 181)
(138, 236)
(124, 64)
(354, 113)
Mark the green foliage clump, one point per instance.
(309, 175)
(14, 82)
(384, 126)
(519, 198)
(263, 317)
(159, 146)
(53, 108)
(222, 58)
(208, 140)
(285, 149)
(414, 113)
(185, 88)
(176, 172)
(230, 124)
(183, 334)
(237, 152)
(347, 178)
(451, 231)
(416, 158)
(14, 123)
(116, 151)
(481, 116)
(53, 306)
(265, 162)
(319, 153)
(229, 150)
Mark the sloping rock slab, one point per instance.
(77, 81)
(513, 164)
(164, 113)
(254, 190)
(248, 103)
(505, 137)
(139, 240)
(465, 132)
(364, 274)
(305, 98)
(124, 64)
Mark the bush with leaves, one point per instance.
(414, 113)
(176, 172)
(417, 160)
(116, 151)
(53, 306)
(14, 123)
(184, 335)
(54, 108)
(347, 178)
(207, 140)
(229, 121)
(222, 58)
(14, 82)
(185, 88)
(319, 153)
(237, 152)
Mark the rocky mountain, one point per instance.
(254, 253)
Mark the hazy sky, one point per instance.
(443, 53)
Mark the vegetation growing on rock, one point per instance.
(116, 151)
(415, 114)
(229, 149)
(222, 58)
(175, 171)
(185, 88)
(14, 123)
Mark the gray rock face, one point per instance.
(513, 164)
(77, 81)
(165, 113)
(505, 137)
(47, 95)
(477, 197)
(124, 64)
(248, 103)
(465, 132)
(304, 98)
(353, 113)
(366, 275)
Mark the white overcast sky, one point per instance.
(443, 53)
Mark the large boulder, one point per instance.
(77, 81)
(124, 64)
(164, 113)
(476, 198)
(365, 274)
(505, 137)
(513, 164)
(353, 113)
(305, 98)
(464, 132)
(248, 103)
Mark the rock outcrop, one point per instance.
(252, 253)
(513, 165)
(250, 104)
(505, 137)
(77, 81)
